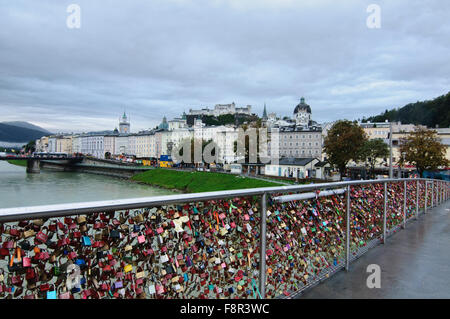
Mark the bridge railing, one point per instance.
(204, 245)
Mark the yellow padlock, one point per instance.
(128, 268)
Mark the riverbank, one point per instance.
(19, 189)
(18, 162)
(197, 182)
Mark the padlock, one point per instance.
(41, 236)
(63, 293)
(81, 219)
(13, 231)
(29, 233)
(86, 241)
(51, 294)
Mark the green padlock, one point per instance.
(56, 271)
(239, 255)
(128, 259)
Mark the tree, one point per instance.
(343, 143)
(30, 147)
(423, 149)
(373, 150)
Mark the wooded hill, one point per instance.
(429, 113)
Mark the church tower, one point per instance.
(302, 113)
(264, 116)
(124, 124)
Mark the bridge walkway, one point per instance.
(415, 263)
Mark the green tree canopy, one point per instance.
(371, 151)
(343, 143)
(423, 149)
(428, 113)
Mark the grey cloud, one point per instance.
(158, 58)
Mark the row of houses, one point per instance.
(301, 137)
(296, 143)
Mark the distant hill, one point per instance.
(429, 113)
(26, 125)
(18, 134)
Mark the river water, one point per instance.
(17, 188)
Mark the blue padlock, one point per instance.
(75, 290)
(51, 294)
(86, 241)
(80, 262)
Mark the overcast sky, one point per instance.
(162, 57)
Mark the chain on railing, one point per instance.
(206, 245)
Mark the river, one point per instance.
(17, 188)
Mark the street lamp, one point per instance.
(400, 163)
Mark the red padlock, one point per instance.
(44, 287)
(41, 236)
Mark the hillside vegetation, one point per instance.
(17, 134)
(429, 113)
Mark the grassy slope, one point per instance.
(196, 182)
(18, 162)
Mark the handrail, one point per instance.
(58, 210)
(276, 242)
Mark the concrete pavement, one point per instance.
(415, 263)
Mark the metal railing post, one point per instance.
(347, 230)
(432, 194)
(438, 193)
(384, 213)
(417, 200)
(404, 204)
(262, 248)
(426, 198)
